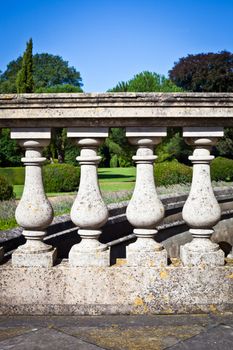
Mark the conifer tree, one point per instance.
(24, 80)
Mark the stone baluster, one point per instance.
(89, 211)
(34, 212)
(145, 210)
(201, 210)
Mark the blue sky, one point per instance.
(112, 40)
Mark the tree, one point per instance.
(120, 87)
(48, 70)
(60, 147)
(24, 78)
(147, 82)
(204, 72)
(10, 152)
(207, 72)
(51, 74)
(116, 151)
(59, 88)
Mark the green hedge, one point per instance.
(6, 189)
(61, 177)
(222, 169)
(57, 177)
(170, 173)
(14, 175)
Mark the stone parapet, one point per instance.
(119, 289)
(116, 109)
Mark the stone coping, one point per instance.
(119, 289)
(116, 109)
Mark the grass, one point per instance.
(18, 190)
(111, 179)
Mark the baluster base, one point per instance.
(34, 253)
(146, 251)
(89, 252)
(24, 259)
(201, 251)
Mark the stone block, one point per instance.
(27, 259)
(191, 257)
(92, 257)
(146, 257)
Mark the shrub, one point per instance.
(61, 177)
(15, 175)
(222, 169)
(6, 189)
(170, 173)
(114, 161)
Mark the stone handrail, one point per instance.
(116, 109)
(88, 117)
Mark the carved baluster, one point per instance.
(145, 210)
(34, 212)
(201, 210)
(89, 211)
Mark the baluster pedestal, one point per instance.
(201, 210)
(34, 212)
(89, 211)
(145, 210)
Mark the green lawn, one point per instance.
(111, 179)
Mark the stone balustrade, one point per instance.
(146, 117)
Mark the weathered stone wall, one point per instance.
(66, 290)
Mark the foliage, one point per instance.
(222, 169)
(204, 72)
(7, 214)
(48, 70)
(15, 175)
(225, 144)
(24, 78)
(170, 173)
(147, 82)
(10, 152)
(61, 178)
(6, 189)
(207, 72)
(120, 87)
(142, 82)
(174, 147)
(59, 88)
(116, 150)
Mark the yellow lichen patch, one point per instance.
(176, 262)
(151, 263)
(229, 276)
(164, 274)
(213, 308)
(138, 301)
(120, 262)
(229, 261)
(165, 298)
(168, 311)
(141, 307)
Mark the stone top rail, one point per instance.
(116, 109)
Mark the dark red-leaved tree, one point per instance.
(205, 72)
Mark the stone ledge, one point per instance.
(116, 109)
(65, 290)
